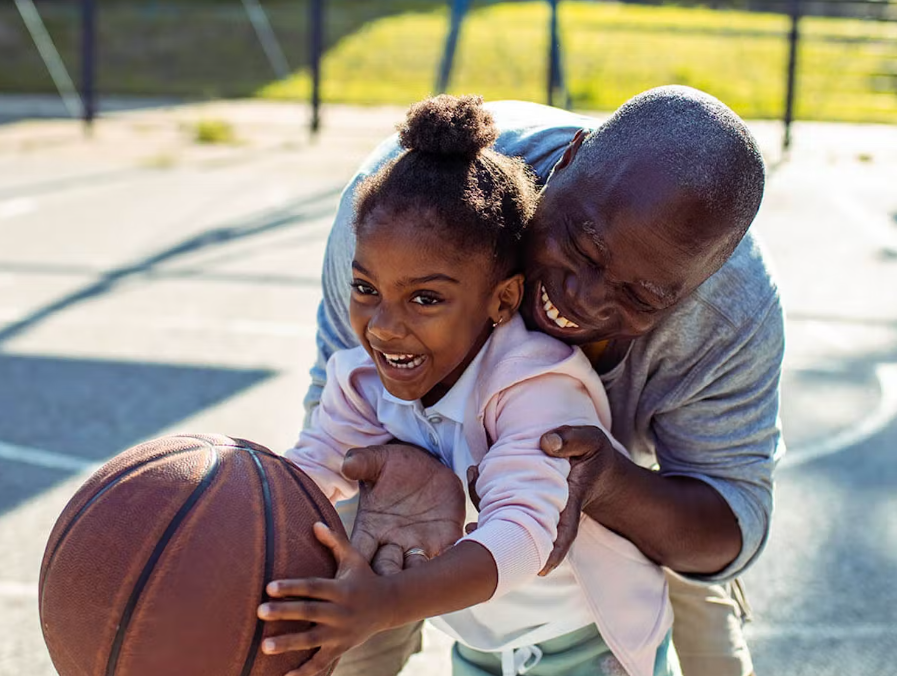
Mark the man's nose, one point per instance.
(587, 290)
(386, 324)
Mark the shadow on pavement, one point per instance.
(93, 409)
(298, 212)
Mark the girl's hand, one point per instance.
(346, 610)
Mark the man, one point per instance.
(639, 253)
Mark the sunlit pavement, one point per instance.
(149, 284)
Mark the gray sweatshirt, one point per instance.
(698, 396)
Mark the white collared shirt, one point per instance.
(540, 610)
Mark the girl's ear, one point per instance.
(506, 298)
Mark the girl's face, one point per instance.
(421, 309)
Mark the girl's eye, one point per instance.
(363, 288)
(426, 299)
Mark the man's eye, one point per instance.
(640, 304)
(363, 288)
(426, 299)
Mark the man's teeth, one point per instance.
(404, 361)
(553, 313)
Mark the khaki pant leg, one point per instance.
(384, 654)
(708, 628)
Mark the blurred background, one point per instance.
(843, 53)
(169, 172)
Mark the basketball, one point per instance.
(158, 563)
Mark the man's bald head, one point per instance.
(688, 144)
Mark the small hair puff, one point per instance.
(448, 125)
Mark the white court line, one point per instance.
(868, 427)
(275, 329)
(16, 207)
(17, 590)
(821, 631)
(47, 459)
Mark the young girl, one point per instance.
(447, 364)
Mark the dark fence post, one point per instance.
(458, 11)
(88, 63)
(555, 74)
(316, 30)
(793, 41)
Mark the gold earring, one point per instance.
(498, 323)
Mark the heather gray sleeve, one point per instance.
(724, 428)
(334, 330)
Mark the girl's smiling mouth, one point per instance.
(400, 366)
(403, 361)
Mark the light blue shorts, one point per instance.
(579, 653)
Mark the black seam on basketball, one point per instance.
(210, 472)
(115, 479)
(291, 470)
(269, 562)
(311, 498)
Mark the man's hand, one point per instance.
(407, 499)
(592, 460)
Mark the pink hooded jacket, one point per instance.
(626, 592)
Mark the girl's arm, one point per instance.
(346, 418)
(522, 493)
(358, 603)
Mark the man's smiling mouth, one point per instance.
(552, 312)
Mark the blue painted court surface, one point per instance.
(148, 285)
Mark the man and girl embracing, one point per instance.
(573, 321)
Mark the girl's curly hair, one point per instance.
(479, 199)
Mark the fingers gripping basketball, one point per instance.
(158, 563)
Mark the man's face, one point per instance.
(608, 258)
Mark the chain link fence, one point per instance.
(390, 51)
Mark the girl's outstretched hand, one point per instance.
(346, 610)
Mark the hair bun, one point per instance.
(448, 125)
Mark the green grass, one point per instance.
(214, 132)
(387, 52)
(612, 52)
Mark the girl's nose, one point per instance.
(385, 325)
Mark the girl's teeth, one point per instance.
(404, 361)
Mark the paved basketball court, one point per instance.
(149, 285)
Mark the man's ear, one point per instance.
(571, 150)
(506, 298)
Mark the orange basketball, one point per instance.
(158, 563)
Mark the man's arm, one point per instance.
(706, 513)
(678, 522)
(334, 330)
